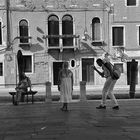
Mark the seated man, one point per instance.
(22, 87)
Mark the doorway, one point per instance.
(131, 72)
(57, 66)
(2, 80)
(87, 71)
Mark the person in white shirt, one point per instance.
(108, 85)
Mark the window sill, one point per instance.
(118, 46)
(98, 43)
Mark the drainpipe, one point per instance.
(8, 24)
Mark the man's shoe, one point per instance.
(115, 107)
(101, 107)
(15, 103)
(62, 108)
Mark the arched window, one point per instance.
(96, 29)
(23, 31)
(53, 29)
(67, 30)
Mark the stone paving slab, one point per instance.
(45, 121)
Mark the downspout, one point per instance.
(8, 24)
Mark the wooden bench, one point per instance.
(32, 93)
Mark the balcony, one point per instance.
(62, 42)
(24, 42)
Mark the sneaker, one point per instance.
(116, 107)
(101, 107)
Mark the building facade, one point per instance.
(49, 32)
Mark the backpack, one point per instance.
(116, 73)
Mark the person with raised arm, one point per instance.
(109, 84)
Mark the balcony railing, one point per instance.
(24, 41)
(62, 41)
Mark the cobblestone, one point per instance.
(45, 121)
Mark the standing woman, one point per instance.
(65, 86)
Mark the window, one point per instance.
(53, 29)
(63, 37)
(0, 34)
(67, 29)
(23, 31)
(72, 63)
(1, 69)
(96, 33)
(117, 36)
(131, 2)
(27, 63)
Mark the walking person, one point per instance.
(108, 85)
(65, 86)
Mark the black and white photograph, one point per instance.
(69, 69)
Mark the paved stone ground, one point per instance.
(45, 121)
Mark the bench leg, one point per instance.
(13, 99)
(27, 98)
(32, 98)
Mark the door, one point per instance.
(87, 71)
(2, 81)
(57, 66)
(132, 72)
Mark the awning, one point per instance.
(88, 46)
